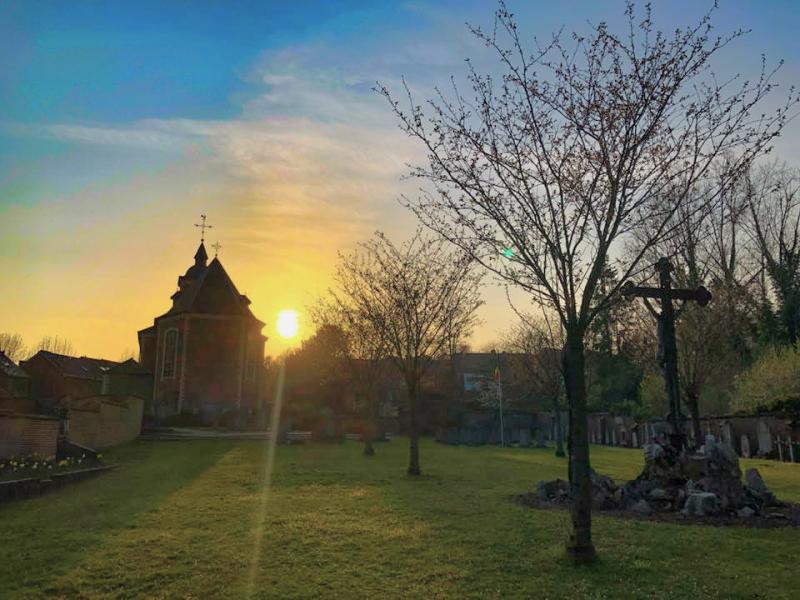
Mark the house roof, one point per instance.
(9, 368)
(129, 367)
(81, 367)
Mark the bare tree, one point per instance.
(54, 344)
(704, 248)
(417, 297)
(541, 174)
(12, 345)
(774, 204)
(538, 344)
(362, 350)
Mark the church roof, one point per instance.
(208, 289)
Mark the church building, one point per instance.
(206, 352)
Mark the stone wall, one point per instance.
(751, 436)
(104, 421)
(23, 434)
(19, 405)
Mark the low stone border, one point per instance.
(20, 489)
(786, 515)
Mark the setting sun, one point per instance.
(287, 324)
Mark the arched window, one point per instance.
(170, 353)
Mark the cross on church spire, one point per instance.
(217, 247)
(203, 228)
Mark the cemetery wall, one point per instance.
(765, 436)
(25, 434)
(104, 421)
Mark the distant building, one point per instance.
(206, 352)
(128, 378)
(15, 386)
(57, 376)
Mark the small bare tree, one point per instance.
(363, 352)
(54, 344)
(538, 344)
(419, 298)
(704, 248)
(12, 345)
(774, 205)
(539, 175)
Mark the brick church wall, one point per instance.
(213, 364)
(167, 388)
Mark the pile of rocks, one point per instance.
(703, 483)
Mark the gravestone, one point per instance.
(524, 438)
(745, 445)
(764, 439)
(540, 441)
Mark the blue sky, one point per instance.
(121, 121)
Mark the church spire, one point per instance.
(201, 256)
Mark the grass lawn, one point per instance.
(192, 520)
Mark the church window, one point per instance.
(250, 365)
(170, 353)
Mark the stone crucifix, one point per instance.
(668, 348)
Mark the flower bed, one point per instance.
(29, 476)
(35, 466)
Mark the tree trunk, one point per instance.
(579, 547)
(369, 450)
(693, 404)
(559, 433)
(413, 430)
(371, 430)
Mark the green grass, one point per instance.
(192, 520)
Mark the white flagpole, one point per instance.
(500, 396)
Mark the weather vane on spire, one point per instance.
(203, 228)
(217, 247)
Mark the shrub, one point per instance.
(772, 380)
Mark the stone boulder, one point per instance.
(701, 504)
(758, 490)
(556, 490)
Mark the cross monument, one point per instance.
(668, 348)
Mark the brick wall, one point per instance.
(104, 421)
(19, 405)
(21, 435)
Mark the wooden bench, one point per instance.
(298, 437)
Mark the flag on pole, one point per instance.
(497, 374)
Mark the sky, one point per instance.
(122, 122)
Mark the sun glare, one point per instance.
(287, 324)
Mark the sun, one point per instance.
(287, 324)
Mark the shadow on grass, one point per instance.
(492, 547)
(44, 538)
